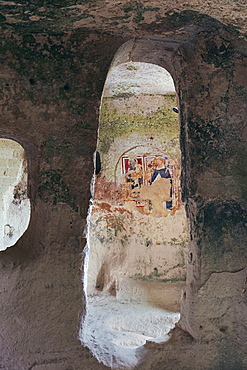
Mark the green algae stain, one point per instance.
(155, 276)
(121, 124)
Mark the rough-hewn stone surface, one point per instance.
(121, 16)
(51, 84)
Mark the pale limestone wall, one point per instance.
(138, 246)
(148, 79)
(131, 252)
(14, 202)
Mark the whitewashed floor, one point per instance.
(116, 331)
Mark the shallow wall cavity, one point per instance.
(137, 233)
(14, 201)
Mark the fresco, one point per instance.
(152, 183)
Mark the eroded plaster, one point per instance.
(14, 202)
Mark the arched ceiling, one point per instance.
(139, 78)
(122, 17)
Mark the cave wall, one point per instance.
(51, 86)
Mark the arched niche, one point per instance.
(14, 201)
(137, 234)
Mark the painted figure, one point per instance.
(148, 181)
(160, 170)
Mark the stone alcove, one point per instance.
(14, 203)
(137, 231)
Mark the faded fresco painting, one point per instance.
(152, 182)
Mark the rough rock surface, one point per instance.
(53, 68)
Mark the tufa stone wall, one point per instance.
(51, 85)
